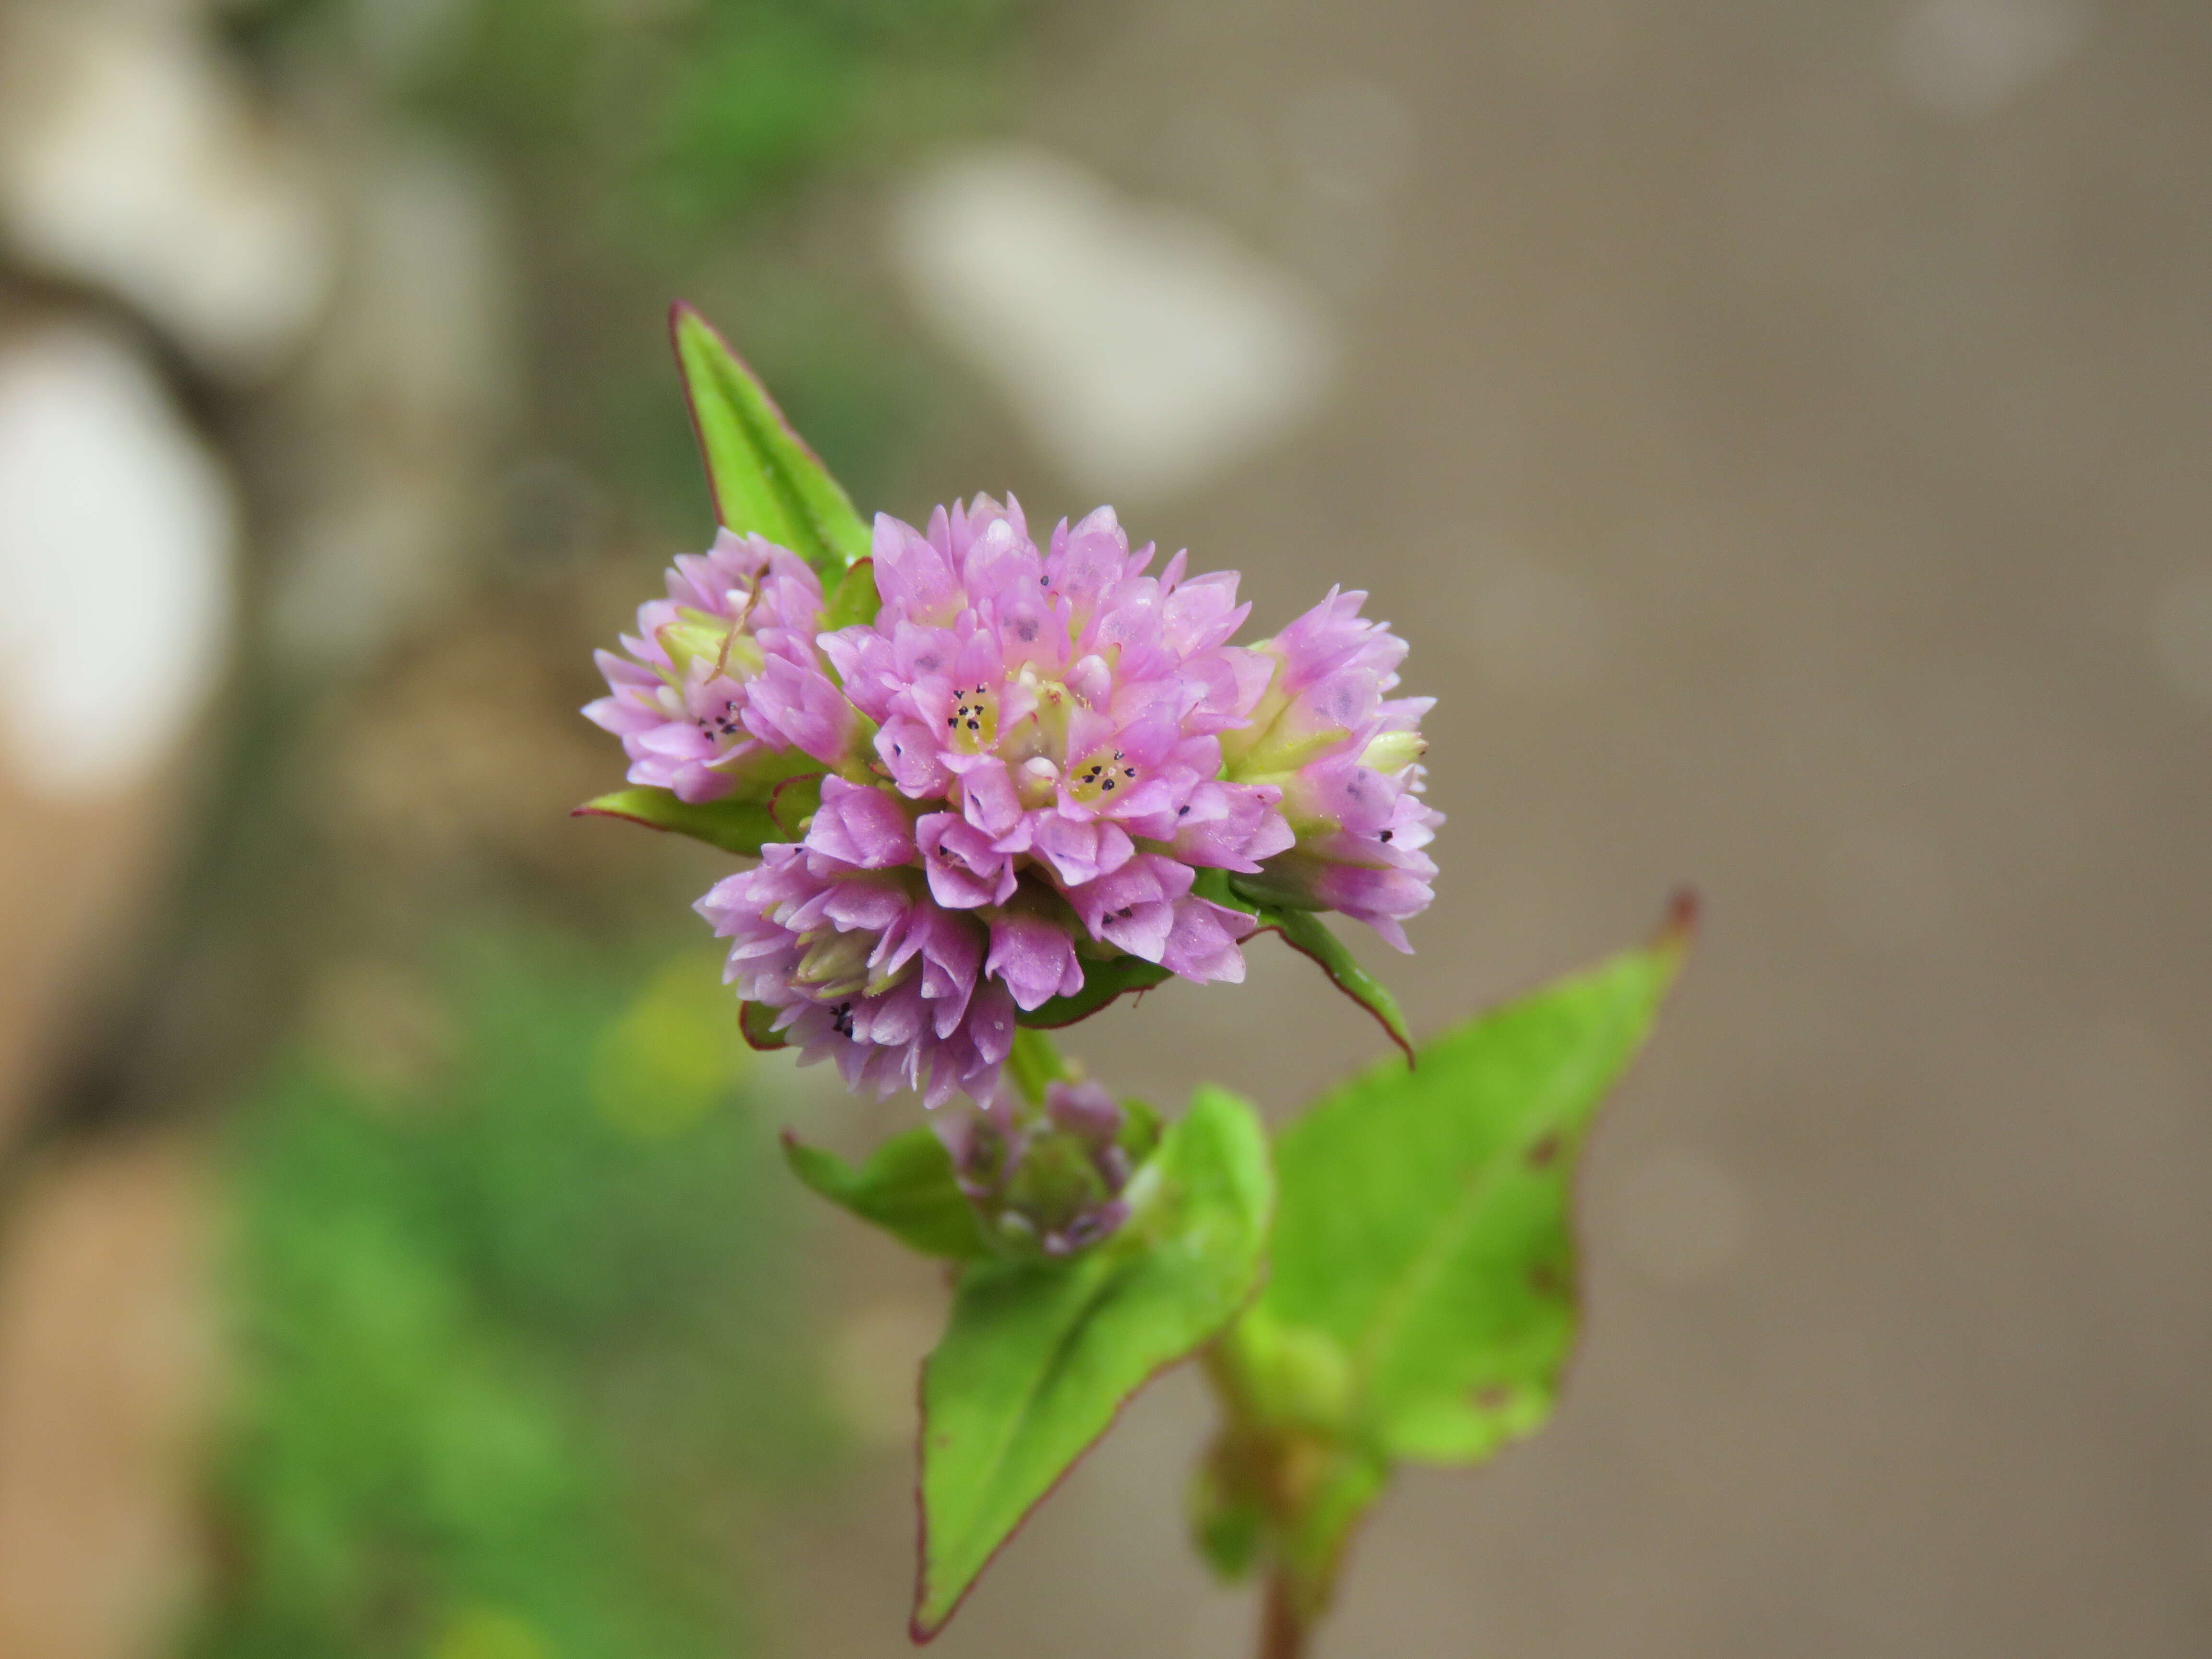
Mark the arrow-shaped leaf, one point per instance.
(1040, 1355)
(766, 481)
(1421, 1301)
(1424, 1213)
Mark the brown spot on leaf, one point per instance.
(1494, 1397)
(1547, 1279)
(1546, 1150)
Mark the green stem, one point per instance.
(1034, 1064)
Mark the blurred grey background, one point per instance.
(1781, 430)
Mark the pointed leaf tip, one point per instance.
(765, 480)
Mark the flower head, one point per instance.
(1027, 758)
(722, 685)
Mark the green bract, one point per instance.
(766, 481)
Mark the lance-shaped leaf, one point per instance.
(733, 825)
(1423, 1244)
(1424, 1223)
(906, 1186)
(1040, 1355)
(765, 480)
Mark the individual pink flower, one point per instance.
(725, 688)
(1345, 758)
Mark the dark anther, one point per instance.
(1128, 771)
(1183, 811)
(1109, 783)
(1386, 834)
(975, 726)
(1124, 912)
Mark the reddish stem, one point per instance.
(1282, 1632)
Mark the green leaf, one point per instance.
(766, 481)
(906, 1188)
(1040, 1355)
(1424, 1223)
(733, 825)
(1102, 981)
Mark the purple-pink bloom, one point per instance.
(1345, 758)
(721, 686)
(1027, 759)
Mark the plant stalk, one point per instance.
(1282, 1631)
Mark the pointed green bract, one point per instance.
(906, 1188)
(1305, 933)
(1308, 934)
(1040, 1355)
(733, 825)
(766, 481)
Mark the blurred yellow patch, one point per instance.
(671, 1057)
(489, 1633)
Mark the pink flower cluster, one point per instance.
(1026, 758)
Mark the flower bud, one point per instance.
(1048, 1177)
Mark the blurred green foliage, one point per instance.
(515, 1334)
(652, 149)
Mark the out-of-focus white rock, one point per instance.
(131, 159)
(117, 537)
(1141, 347)
(1965, 58)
